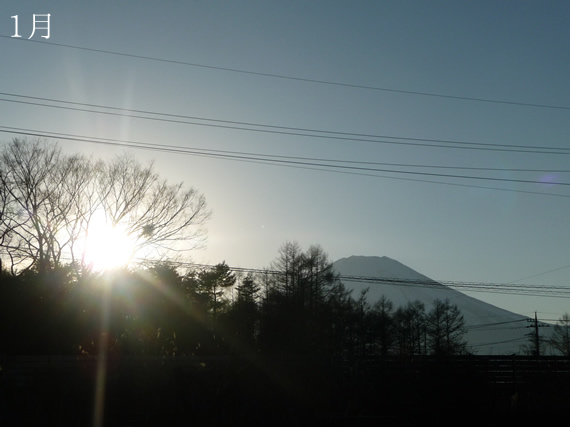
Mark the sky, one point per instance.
(435, 90)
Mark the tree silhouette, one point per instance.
(213, 284)
(560, 339)
(410, 326)
(48, 200)
(445, 329)
(244, 314)
(33, 177)
(295, 317)
(360, 326)
(383, 325)
(156, 214)
(339, 308)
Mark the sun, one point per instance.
(107, 246)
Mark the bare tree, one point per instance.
(289, 265)
(383, 324)
(410, 324)
(84, 204)
(157, 215)
(7, 222)
(30, 221)
(445, 329)
(48, 201)
(560, 339)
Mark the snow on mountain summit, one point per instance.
(374, 266)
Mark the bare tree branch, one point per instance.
(48, 201)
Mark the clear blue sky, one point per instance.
(508, 51)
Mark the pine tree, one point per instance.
(213, 284)
(244, 314)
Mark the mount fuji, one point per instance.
(490, 330)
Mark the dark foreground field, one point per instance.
(44, 390)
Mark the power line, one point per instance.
(292, 131)
(541, 274)
(268, 159)
(522, 290)
(502, 288)
(496, 324)
(300, 79)
(425, 181)
(499, 342)
(446, 285)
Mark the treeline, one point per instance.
(52, 204)
(297, 307)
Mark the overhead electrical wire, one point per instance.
(499, 342)
(445, 285)
(292, 131)
(501, 288)
(296, 78)
(261, 157)
(541, 274)
(542, 150)
(488, 325)
(563, 292)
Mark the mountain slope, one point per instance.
(490, 329)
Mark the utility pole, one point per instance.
(536, 337)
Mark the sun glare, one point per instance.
(107, 247)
